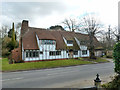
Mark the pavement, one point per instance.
(64, 77)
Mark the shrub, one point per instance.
(114, 84)
(116, 56)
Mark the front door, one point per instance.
(70, 53)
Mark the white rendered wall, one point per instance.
(52, 47)
(46, 55)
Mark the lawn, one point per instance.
(100, 60)
(42, 64)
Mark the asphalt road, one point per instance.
(64, 77)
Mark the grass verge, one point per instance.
(39, 65)
(43, 64)
(99, 60)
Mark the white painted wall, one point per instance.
(46, 56)
(52, 47)
(63, 55)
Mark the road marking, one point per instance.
(12, 79)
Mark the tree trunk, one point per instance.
(91, 46)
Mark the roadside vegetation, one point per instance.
(97, 60)
(44, 64)
(115, 83)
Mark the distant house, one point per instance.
(44, 44)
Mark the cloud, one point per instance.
(45, 14)
(17, 11)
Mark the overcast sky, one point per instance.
(44, 13)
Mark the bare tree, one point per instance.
(18, 27)
(3, 31)
(116, 33)
(91, 26)
(71, 24)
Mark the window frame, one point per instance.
(69, 41)
(32, 54)
(75, 52)
(48, 42)
(54, 53)
(84, 52)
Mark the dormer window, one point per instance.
(69, 42)
(47, 41)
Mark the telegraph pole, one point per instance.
(109, 33)
(109, 37)
(118, 21)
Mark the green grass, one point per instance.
(39, 65)
(45, 64)
(100, 60)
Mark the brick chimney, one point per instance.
(24, 27)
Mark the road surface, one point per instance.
(64, 77)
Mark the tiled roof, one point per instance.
(30, 41)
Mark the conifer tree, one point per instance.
(13, 33)
(13, 37)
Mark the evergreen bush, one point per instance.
(116, 56)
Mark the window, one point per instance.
(53, 53)
(58, 52)
(41, 52)
(75, 52)
(32, 54)
(27, 54)
(69, 42)
(36, 54)
(47, 41)
(84, 52)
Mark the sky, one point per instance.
(46, 13)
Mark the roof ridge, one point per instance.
(38, 28)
